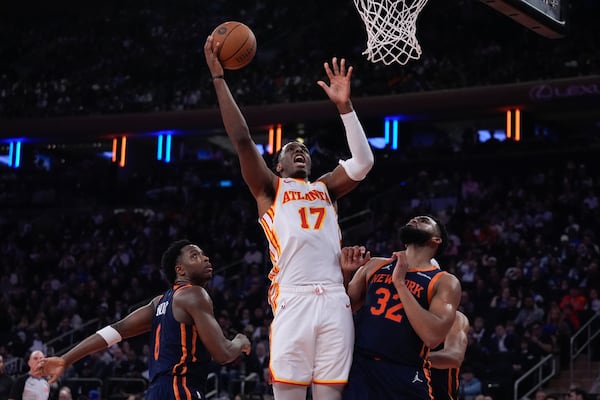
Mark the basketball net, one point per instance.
(391, 29)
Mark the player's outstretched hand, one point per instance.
(52, 367)
(339, 76)
(353, 257)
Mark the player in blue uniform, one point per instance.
(447, 358)
(184, 331)
(404, 306)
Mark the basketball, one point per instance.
(238, 44)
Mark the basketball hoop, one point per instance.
(391, 29)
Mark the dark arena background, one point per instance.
(111, 146)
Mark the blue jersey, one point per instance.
(444, 383)
(178, 354)
(382, 328)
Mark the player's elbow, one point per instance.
(432, 342)
(227, 353)
(242, 140)
(433, 339)
(368, 162)
(358, 168)
(456, 359)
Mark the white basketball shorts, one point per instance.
(312, 335)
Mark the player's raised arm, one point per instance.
(260, 179)
(349, 173)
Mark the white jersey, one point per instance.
(304, 235)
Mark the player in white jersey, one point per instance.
(312, 333)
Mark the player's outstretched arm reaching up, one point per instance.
(260, 179)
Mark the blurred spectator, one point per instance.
(252, 256)
(6, 381)
(503, 340)
(258, 363)
(539, 395)
(557, 327)
(65, 393)
(470, 385)
(594, 299)
(479, 332)
(529, 313)
(575, 299)
(577, 394)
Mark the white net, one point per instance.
(391, 29)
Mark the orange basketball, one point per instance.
(238, 44)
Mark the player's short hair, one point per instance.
(443, 235)
(169, 258)
(275, 160)
(277, 156)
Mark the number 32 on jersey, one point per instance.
(387, 305)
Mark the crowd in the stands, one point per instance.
(119, 57)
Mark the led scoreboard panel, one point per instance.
(546, 17)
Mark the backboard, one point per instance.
(545, 17)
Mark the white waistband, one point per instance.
(318, 288)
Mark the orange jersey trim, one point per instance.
(432, 286)
(194, 341)
(184, 352)
(270, 234)
(188, 394)
(175, 391)
(275, 379)
(377, 268)
(427, 373)
(431, 268)
(331, 382)
(274, 295)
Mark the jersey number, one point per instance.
(318, 211)
(391, 311)
(157, 342)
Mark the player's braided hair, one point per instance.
(169, 259)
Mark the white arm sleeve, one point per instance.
(362, 158)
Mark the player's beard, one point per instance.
(411, 235)
(299, 174)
